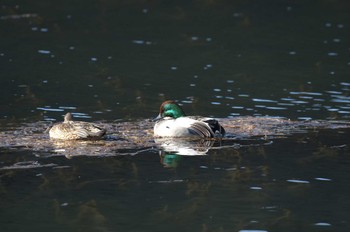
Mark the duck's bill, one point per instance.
(158, 117)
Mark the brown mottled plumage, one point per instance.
(71, 130)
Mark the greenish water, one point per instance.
(118, 60)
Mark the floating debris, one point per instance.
(136, 137)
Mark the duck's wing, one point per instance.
(212, 123)
(201, 129)
(215, 125)
(81, 132)
(85, 130)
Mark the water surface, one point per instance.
(116, 61)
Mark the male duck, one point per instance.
(71, 130)
(172, 122)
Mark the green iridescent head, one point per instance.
(170, 109)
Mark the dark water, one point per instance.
(118, 60)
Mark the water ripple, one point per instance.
(323, 179)
(298, 181)
(322, 224)
(263, 100)
(306, 93)
(49, 109)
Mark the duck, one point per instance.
(75, 130)
(173, 122)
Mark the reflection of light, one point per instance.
(322, 224)
(44, 52)
(276, 108)
(67, 107)
(262, 100)
(323, 179)
(253, 231)
(299, 181)
(332, 54)
(49, 109)
(344, 83)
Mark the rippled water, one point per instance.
(116, 61)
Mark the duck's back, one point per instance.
(72, 130)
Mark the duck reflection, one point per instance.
(169, 160)
(184, 146)
(171, 149)
(73, 148)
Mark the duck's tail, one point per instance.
(216, 127)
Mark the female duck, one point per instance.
(172, 122)
(71, 130)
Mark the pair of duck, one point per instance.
(171, 122)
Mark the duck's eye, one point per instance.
(169, 114)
